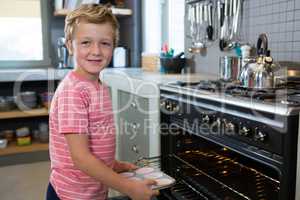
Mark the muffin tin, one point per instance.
(163, 180)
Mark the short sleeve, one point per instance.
(72, 112)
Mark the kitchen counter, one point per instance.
(144, 83)
(140, 86)
(40, 74)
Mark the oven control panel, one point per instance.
(251, 135)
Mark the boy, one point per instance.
(82, 132)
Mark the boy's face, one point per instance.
(92, 47)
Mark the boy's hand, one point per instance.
(120, 166)
(141, 190)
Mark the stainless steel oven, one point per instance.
(220, 146)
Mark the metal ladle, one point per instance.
(196, 19)
(233, 36)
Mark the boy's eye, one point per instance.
(107, 44)
(85, 43)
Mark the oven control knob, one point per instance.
(206, 119)
(260, 136)
(230, 127)
(176, 107)
(162, 104)
(245, 131)
(216, 126)
(168, 106)
(135, 149)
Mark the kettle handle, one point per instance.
(262, 40)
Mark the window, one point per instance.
(24, 38)
(163, 23)
(176, 24)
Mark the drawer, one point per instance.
(130, 101)
(134, 140)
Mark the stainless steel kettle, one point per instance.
(258, 73)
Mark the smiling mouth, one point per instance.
(95, 61)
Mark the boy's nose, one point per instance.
(96, 49)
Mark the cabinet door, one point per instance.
(133, 126)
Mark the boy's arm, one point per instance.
(89, 164)
(121, 166)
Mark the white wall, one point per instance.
(151, 13)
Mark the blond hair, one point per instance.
(91, 13)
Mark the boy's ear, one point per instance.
(70, 47)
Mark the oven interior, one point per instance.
(206, 170)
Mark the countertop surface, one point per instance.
(38, 74)
(154, 77)
(142, 83)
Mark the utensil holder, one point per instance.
(171, 65)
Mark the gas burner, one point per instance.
(290, 103)
(209, 85)
(261, 94)
(213, 86)
(184, 84)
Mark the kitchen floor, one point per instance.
(27, 181)
(24, 182)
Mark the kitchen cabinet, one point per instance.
(133, 126)
(135, 95)
(11, 83)
(16, 119)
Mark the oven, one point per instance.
(217, 149)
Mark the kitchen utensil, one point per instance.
(172, 65)
(163, 180)
(209, 28)
(7, 103)
(224, 28)
(219, 21)
(233, 35)
(229, 68)
(26, 100)
(258, 73)
(179, 55)
(196, 15)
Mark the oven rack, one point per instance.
(211, 178)
(153, 162)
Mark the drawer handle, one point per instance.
(134, 126)
(133, 104)
(135, 149)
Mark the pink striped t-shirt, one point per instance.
(80, 106)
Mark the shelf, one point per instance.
(23, 114)
(14, 149)
(116, 11)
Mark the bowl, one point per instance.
(26, 100)
(46, 98)
(172, 65)
(7, 103)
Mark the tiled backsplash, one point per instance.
(279, 19)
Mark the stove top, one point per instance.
(285, 95)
